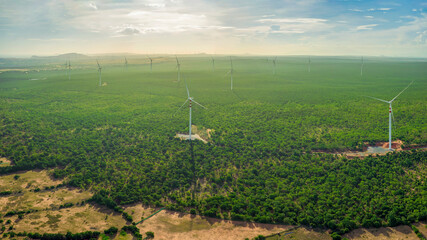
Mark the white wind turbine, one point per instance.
(274, 65)
(190, 100)
(213, 64)
(99, 73)
(390, 113)
(151, 63)
(69, 70)
(178, 66)
(231, 73)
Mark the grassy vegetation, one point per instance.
(119, 140)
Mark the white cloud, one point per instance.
(129, 31)
(355, 10)
(379, 9)
(421, 37)
(370, 17)
(93, 6)
(414, 10)
(292, 20)
(366, 27)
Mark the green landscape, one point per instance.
(274, 149)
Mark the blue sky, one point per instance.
(273, 27)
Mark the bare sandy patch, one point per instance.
(24, 196)
(201, 134)
(172, 225)
(14, 70)
(422, 226)
(75, 219)
(384, 233)
(29, 180)
(302, 233)
(4, 162)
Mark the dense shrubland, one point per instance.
(258, 166)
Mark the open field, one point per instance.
(260, 163)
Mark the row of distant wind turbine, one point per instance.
(230, 72)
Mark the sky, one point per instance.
(395, 28)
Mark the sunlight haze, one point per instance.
(270, 27)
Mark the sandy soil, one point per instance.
(75, 219)
(395, 233)
(193, 137)
(171, 225)
(29, 180)
(396, 145)
(23, 196)
(302, 233)
(5, 162)
(422, 226)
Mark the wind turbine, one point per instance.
(309, 63)
(126, 63)
(390, 113)
(99, 73)
(361, 68)
(231, 73)
(69, 70)
(274, 65)
(190, 100)
(213, 64)
(151, 63)
(178, 66)
(66, 68)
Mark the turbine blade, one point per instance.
(188, 92)
(199, 104)
(378, 99)
(181, 106)
(401, 92)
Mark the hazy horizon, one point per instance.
(265, 27)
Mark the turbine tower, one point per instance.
(151, 63)
(213, 64)
(390, 113)
(190, 100)
(231, 73)
(99, 73)
(274, 65)
(178, 66)
(69, 70)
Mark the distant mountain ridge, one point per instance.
(63, 56)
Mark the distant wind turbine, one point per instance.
(231, 73)
(361, 68)
(69, 70)
(178, 66)
(151, 63)
(99, 73)
(213, 64)
(390, 113)
(190, 100)
(309, 64)
(126, 63)
(274, 65)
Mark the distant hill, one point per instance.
(63, 56)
